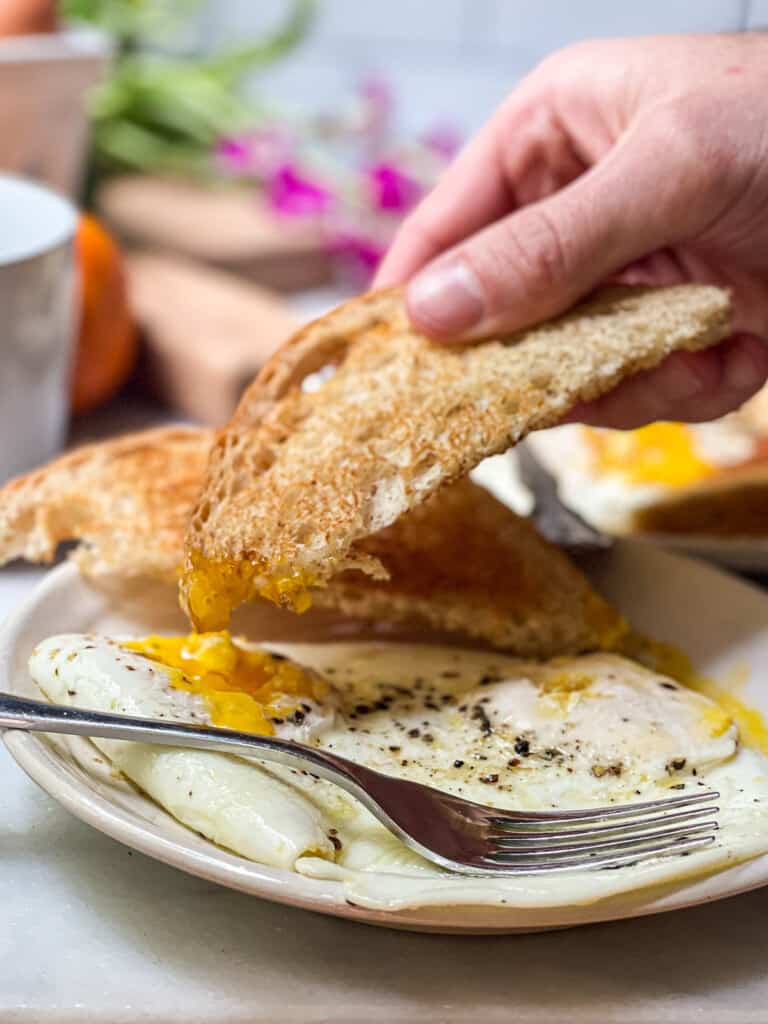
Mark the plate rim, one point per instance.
(38, 760)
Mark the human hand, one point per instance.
(640, 160)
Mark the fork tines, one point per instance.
(603, 837)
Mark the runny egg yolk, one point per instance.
(245, 689)
(660, 453)
(211, 589)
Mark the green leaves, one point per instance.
(159, 112)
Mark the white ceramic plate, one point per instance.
(721, 622)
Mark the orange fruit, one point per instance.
(107, 340)
(27, 17)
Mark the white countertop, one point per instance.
(91, 931)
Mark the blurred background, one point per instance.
(242, 164)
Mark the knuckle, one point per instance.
(526, 257)
(688, 131)
(538, 249)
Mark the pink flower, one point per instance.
(270, 149)
(360, 253)
(234, 154)
(391, 189)
(442, 139)
(292, 195)
(377, 99)
(257, 154)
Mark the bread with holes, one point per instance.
(300, 477)
(461, 563)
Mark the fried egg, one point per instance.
(609, 475)
(575, 732)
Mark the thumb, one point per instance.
(536, 262)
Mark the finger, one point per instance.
(539, 260)
(455, 208)
(521, 154)
(688, 387)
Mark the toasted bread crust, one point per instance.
(732, 503)
(298, 478)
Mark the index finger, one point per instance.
(471, 193)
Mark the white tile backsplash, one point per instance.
(449, 59)
(757, 14)
(548, 24)
(411, 21)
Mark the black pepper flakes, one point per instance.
(458, 763)
(480, 716)
(414, 733)
(490, 779)
(522, 746)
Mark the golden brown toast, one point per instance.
(461, 563)
(300, 477)
(126, 500)
(733, 503)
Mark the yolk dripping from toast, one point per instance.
(211, 589)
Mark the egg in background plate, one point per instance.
(610, 476)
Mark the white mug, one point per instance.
(38, 308)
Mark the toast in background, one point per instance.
(207, 332)
(696, 480)
(227, 227)
(302, 475)
(461, 563)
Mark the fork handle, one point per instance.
(40, 716)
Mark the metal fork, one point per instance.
(466, 837)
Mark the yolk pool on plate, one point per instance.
(670, 661)
(243, 688)
(211, 589)
(660, 453)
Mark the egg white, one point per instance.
(609, 500)
(620, 733)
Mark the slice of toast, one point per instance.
(302, 474)
(126, 500)
(461, 563)
(731, 504)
